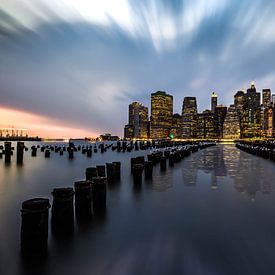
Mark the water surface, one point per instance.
(213, 213)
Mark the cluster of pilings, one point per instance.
(171, 155)
(264, 149)
(8, 151)
(86, 199)
(121, 146)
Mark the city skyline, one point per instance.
(250, 115)
(72, 65)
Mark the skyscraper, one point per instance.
(252, 113)
(189, 117)
(138, 122)
(266, 97)
(268, 122)
(239, 101)
(214, 101)
(231, 127)
(220, 111)
(207, 126)
(161, 115)
(176, 128)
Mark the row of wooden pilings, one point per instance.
(174, 155)
(8, 150)
(87, 198)
(264, 149)
(120, 146)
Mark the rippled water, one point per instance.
(213, 213)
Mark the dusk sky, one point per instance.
(71, 67)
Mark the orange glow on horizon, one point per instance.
(37, 125)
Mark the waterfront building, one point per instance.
(252, 114)
(220, 111)
(231, 127)
(189, 117)
(128, 131)
(161, 115)
(207, 125)
(214, 101)
(266, 97)
(268, 121)
(239, 101)
(108, 137)
(137, 126)
(176, 128)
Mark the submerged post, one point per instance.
(20, 152)
(99, 191)
(8, 152)
(91, 172)
(34, 225)
(83, 199)
(62, 209)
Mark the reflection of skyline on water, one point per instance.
(250, 174)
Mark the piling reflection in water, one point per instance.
(248, 173)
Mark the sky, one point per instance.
(70, 68)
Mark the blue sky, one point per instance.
(80, 63)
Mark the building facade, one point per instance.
(268, 122)
(214, 101)
(137, 126)
(161, 115)
(252, 114)
(207, 125)
(266, 97)
(220, 112)
(176, 128)
(232, 128)
(189, 117)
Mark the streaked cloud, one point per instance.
(82, 62)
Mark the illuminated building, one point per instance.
(129, 131)
(266, 97)
(176, 128)
(108, 137)
(239, 101)
(252, 114)
(231, 127)
(161, 115)
(268, 122)
(214, 101)
(189, 117)
(220, 111)
(138, 122)
(273, 98)
(207, 125)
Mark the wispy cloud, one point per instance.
(82, 62)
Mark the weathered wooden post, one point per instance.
(34, 225)
(63, 210)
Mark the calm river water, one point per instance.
(212, 213)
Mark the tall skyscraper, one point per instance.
(266, 97)
(220, 111)
(239, 101)
(268, 123)
(214, 101)
(189, 117)
(161, 115)
(176, 128)
(273, 98)
(252, 113)
(207, 126)
(231, 127)
(138, 122)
